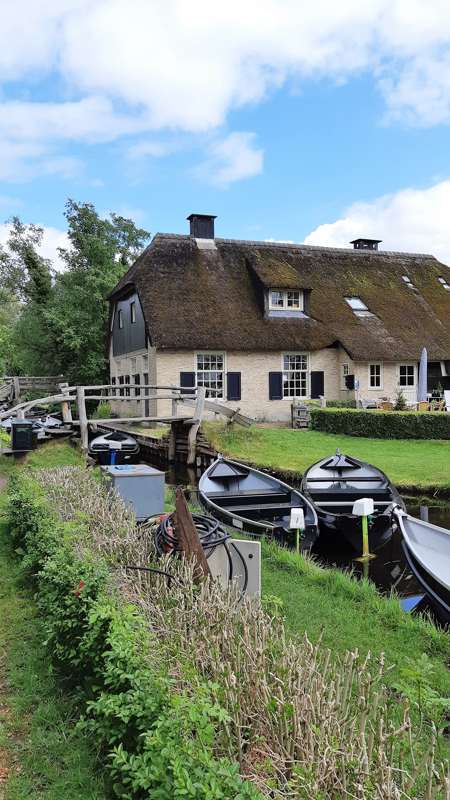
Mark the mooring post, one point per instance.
(82, 418)
(65, 406)
(363, 508)
(193, 430)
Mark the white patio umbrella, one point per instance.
(422, 383)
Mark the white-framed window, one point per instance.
(407, 375)
(375, 376)
(295, 375)
(133, 312)
(120, 318)
(444, 283)
(210, 372)
(289, 300)
(345, 370)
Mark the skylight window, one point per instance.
(408, 281)
(358, 306)
(444, 283)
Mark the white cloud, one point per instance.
(52, 239)
(231, 159)
(413, 220)
(132, 66)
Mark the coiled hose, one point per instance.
(211, 535)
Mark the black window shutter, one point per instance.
(275, 385)
(233, 385)
(317, 385)
(137, 380)
(350, 382)
(187, 381)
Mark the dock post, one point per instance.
(193, 430)
(363, 508)
(65, 406)
(82, 418)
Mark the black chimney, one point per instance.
(202, 225)
(366, 244)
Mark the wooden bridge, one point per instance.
(14, 387)
(193, 400)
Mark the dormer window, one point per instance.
(358, 306)
(285, 300)
(444, 283)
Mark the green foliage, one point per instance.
(341, 403)
(382, 424)
(400, 401)
(103, 411)
(58, 320)
(101, 251)
(416, 683)
(154, 739)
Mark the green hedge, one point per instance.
(382, 424)
(341, 403)
(155, 741)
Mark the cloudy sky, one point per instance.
(291, 120)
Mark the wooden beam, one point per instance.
(82, 416)
(66, 407)
(188, 537)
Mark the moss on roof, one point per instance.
(210, 299)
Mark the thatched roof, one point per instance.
(214, 299)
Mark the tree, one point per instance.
(26, 284)
(100, 253)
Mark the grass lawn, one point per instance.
(42, 755)
(408, 462)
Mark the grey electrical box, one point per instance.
(140, 487)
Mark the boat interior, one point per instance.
(336, 483)
(240, 491)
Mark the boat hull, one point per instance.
(255, 503)
(437, 595)
(331, 488)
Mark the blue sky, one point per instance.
(289, 121)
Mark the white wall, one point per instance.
(390, 381)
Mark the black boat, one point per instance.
(253, 501)
(427, 551)
(124, 447)
(335, 483)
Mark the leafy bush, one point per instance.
(155, 738)
(400, 401)
(382, 424)
(341, 403)
(103, 411)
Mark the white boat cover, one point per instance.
(429, 544)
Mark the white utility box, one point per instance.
(363, 507)
(140, 487)
(242, 552)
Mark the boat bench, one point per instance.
(261, 507)
(270, 497)
(325, 494)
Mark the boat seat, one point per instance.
(350, 494)
(271, 494)
(261, 507)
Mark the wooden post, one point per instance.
(188, 538)
(16, 383)
(172, 442)
(82, 417)
(193, 430)
(65, 406)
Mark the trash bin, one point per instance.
(22, 434)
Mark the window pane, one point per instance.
(375, 376)
(406, 375)
(356, 304)
(295, 375)
(210, 373)
(276, 299)
(293, 299)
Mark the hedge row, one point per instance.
(155, 741)
(382, 424)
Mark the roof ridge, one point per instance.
(301, 247)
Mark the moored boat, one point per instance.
(122, 444)
(254, 501)
(427, 551)
(333, 485)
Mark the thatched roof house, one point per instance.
(313, 315)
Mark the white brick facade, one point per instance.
(164, 368)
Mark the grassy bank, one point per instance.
(409, 463)
(41, 754)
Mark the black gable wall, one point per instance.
(132, 335)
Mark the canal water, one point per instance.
(389, 571)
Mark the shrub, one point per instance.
(382, 424)
(103, 411)
(341, 403)
(400, 401)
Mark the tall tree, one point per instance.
(26, 283)
(101, 251)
